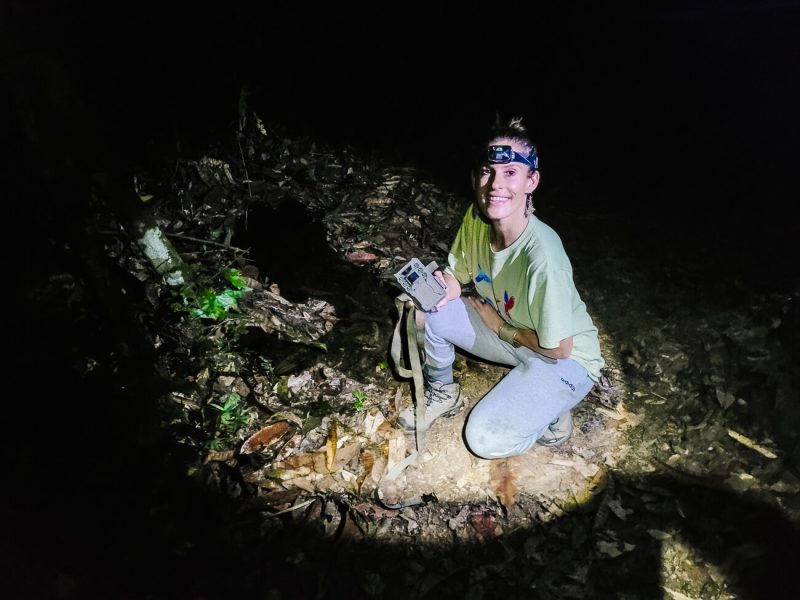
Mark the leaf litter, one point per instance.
(680, 385)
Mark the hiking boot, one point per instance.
(558, 431)
(441, 400)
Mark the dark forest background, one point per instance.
(683, 117)
(678, 124)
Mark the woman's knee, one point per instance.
(490, 439)
(447, 319)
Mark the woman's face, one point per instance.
(503, 188)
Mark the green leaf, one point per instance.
(231, 401)
(228, 298)
(360, 397)
(215, 444)
(236, 278)
(210, 307)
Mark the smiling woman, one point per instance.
(506, 187)
(527, 313)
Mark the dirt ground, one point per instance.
(275, 425)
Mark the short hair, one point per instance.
(514, 131)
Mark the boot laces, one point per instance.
(433, 394)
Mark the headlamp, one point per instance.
(504, 154)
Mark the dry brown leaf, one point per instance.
(395, 448)
(297, 461)
(349, 529)
(378, 469)
(279, 497)
(503, 482)
(264, 437)
(367, 460)
(345, 454)
(372, 421)
(221, 456)
(330, 445)
(304, 483)
(376, 509)
(360, 256)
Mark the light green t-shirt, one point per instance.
(529, 283)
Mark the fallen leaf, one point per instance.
(360, 256)
(503, 482)
(657, 534)
(396, 451)
(378, 469)
(345, 454)
(613, 549)
(297, 461)
(741, 482)
(276, 497)
(349, 529)
(782, 487)
(371, 424)
(376, 509)
(264, 437)
(459, 520)
(724, 398)
(746, 441)
(616, 507)
(676, 595)
(304, 483)
(367, 460)
(330, 445)
(220, 456)
(612, 414)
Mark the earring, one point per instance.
(529, 204)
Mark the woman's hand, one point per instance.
(525, 337)
(488, 315)
(452, 285)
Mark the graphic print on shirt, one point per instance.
(481, 276)
(508, 303)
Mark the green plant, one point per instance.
(203, 302)
(233, 415)
(215, 444)
(360, 397)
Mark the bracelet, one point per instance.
(508, 333)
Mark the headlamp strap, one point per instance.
(504, 155)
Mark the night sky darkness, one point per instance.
(680, 121)
(682, 118)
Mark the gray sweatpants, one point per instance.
(514, 413)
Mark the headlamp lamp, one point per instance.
(504, 155)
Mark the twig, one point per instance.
(209, 242)
(244, 166)
(291, 508)
(746, 441)
(246, 178)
